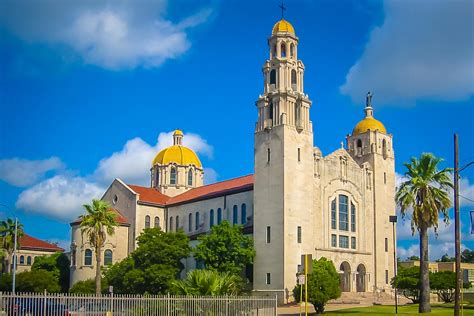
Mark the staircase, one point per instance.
(369, 298)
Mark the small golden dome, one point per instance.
(283, 26)
(368, 124)
(178, 132)
(177, 154)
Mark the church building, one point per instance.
(298, 201)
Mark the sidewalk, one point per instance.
(294, 309)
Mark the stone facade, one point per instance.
(298, 201)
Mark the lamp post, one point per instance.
(393, 220)
(457, 226)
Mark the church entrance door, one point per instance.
(345, 273)
(360, 278)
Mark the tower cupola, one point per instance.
(369, 123)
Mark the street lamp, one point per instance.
(393, 220)
(15, 245)
(457, 226)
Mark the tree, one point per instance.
(413, 258)
(7, 233)
(467, 256)
(425, 192)
(31, 281)
(407, 283)
(209, 283)
(323, 284)
(446, 258)
(88, 287)
(57, 263)
(98, 222)
(225, 249)
(153, 265)
(444, 283)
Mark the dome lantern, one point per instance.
(369, 123)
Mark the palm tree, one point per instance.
(98, 222)
(7, 233)
(425, 192)
(208, 282)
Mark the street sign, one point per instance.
(301, 279)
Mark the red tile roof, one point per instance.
(244, 183)
(32, 243)
(120, 218)
(149, 195)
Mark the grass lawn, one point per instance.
(402, 310)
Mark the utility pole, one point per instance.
(457, 235)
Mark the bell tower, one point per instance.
(283, 188)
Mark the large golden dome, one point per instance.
(283, 26)
(177, 153)
(369, 124)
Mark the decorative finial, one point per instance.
(283, 8)
(368, 100)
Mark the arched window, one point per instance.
(108, 257)
(219, 216)
(173, 175)
(197, 221)
(283, 50)
(177, 223)
(190, 177)
(359, 147)
(22, 259)
(235, 217)
(28, 260)
(171, 223)
(211, 218)
(343, 213)
(292, 50)
(333, 214)
(293, 78)
(147, 221)
(353, 217)
(190, 222)
(243, 211)
(157, 222)
(274, 50)
(88, 257)
(273, 77)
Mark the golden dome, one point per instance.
(178, 132)
(368, 124)
(177, 154)
(283, 26)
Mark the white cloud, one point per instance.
(59, 197)
(412, 250)
(423, 50)
(110, 34)
(435, 250)
(466, 192)
(23, 172)
(62, 196)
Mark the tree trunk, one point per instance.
(98, 274)
(424, 306)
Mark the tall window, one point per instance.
(268, 278)
(293, 78)
(235, 217)
(171, 223)
(333, 214)
(386, 244)
(353, 218)
(197, 221)
(88, 257)
(343, 213)
(268, 235)
(211, 218)
(268, 155)
(28, 260)
(384, 149)
(22, 259)
(292, 50)
(333, 240)
(108, 257)
(147, 221)
(219, 216)
(177, 223)
(359, 147)
(343, 241)
(298, 233)
(273, 77)
(283, 50)
(157, 222)
(299, 154)
(190, 222)
(190, 177)
(243, 215)
(270, 111)
(173, 175)
(353, 243)
(386, 276)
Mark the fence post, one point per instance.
(168, 304)
(276, 304)
(45, 301)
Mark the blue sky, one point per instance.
(90, 91)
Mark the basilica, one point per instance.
(298, 201)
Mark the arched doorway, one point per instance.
(345, 276)
(360, 278)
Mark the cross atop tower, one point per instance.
(283, 8)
